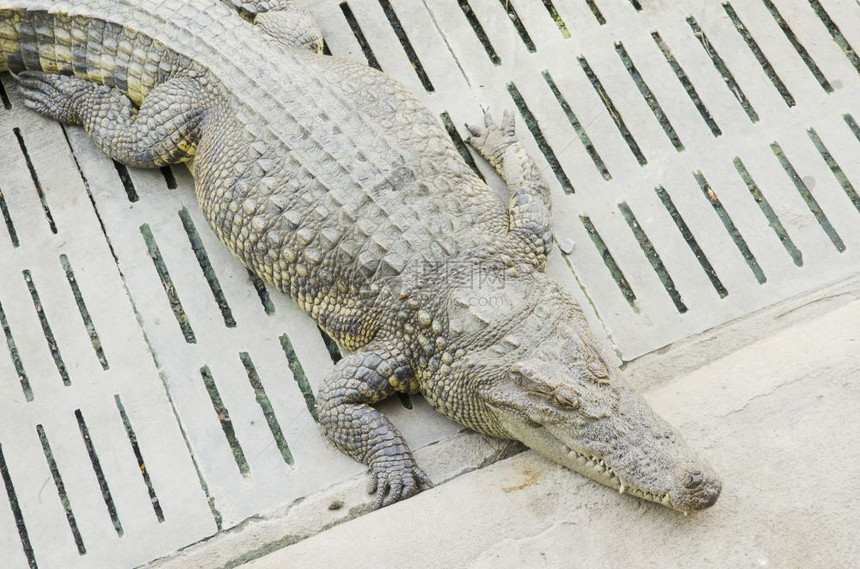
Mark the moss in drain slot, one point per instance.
(85, 313)
(596, 11)
(35, 177)
(836, 34)
(613, 111)
(772, 218)
(798, 47)
(135, 447)
(721, 66)
(23, 534)
(807, 196)
(299, 376)
(759, 55)
(691, 241)
(687, 84)
(224, 418)
(394, 20)
(578, 127)
(46, 329)
(556, 17)
(534, 127)
(652, 256)
(649, 97)
(610, 263)
(100, 475)
(206, 267)
(518, 24)
(167, 284)
(359, 36)
(7, 217)
(16, 357)
(732, 230)
(266, 406)
(472, 18)
(61, 490)
(331, 346)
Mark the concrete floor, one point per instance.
(777, 419)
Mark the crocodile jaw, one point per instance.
(634, 452)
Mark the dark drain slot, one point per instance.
(127, 182)
(100, 475)
(759, 55)
(4, 97)
(649, 97)
(518, 24)
(169, 178)
(836, 34)
(807, 196)
(46, 329)
(459, 144)
(16, 512)
(16, 357)
(691, 241)
(772, 219)
(266, 406)
(299, 376)
(613, 112)
(852, 124)
(7, 217)
(596, 11)
(732, 230)
(135, 447)
(472, 18)
(206, 267)
(35, 177)
(652, 256)
(798, 47)
(359, 36)
(636, 5)
(687, 84)
(556, 17)
(838, 173)
(406, 44)
(545, 148)
(578, 127)
(61, 490)
(721, 66)
(85, 313)
(224, 418)
(610, 263)
(167, 283)
(330, 346)
(262, 292)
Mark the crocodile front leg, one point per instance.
(364, 433)
(164, 131)
(283, 21)
(530, 214)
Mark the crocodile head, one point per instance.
(542, 381)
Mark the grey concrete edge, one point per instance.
(262, 534)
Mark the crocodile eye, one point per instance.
(525, 378)
(566, 397)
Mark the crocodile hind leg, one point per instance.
(164, 131)
(362, 432)
(284, 22)
(530, 213)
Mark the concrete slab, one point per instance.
(777, 419)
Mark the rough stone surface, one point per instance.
(777, 418)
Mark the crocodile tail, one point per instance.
(54, 41)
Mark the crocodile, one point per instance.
(337, 186)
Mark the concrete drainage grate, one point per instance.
(702, 158)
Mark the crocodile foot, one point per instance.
(54, 96)
(395, 478)
(493, 139)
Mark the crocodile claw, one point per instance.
(493, 139)
(395, 480)
(52, 95)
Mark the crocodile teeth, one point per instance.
(621, 488)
